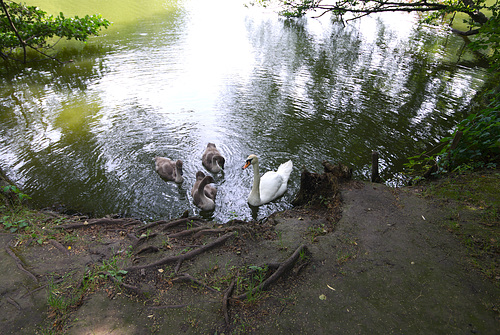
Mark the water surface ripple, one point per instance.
(170, 77)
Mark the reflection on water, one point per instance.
(179, 74)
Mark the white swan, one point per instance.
(204, 194)
(169, 170)
(212, 159)
(271, 185)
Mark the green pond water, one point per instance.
(170, 76)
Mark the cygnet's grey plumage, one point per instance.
(169, 170)
(203, 193)
(212, 159)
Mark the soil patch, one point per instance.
(357, 258)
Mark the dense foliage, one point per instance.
(27, 27)
(476, 145)
(488, 37)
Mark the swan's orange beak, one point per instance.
(247, 164)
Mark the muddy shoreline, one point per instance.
(369, 260)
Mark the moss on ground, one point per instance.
(474, 202)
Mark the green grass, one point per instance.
(473, 199)
(65, 295)
(111, 268)
(29, 225)
(247, 283)
(316, 231)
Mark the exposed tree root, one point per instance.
(14, 303)
(150, 225)
(167, 306)
(180, 258)
(40, 288)
(285, 266)
(185, 277)
(19, 263)
(187, 232)
(102, 221)
(183, 239)
(191, 220)
(128, 287)
(142, 239)
(178, 265)
(169, 224)
(225, 302)
(208, 231)
(59, 247)
(201, 231)
(133, 238)
(147, 250)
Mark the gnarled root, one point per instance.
(284, 267)
(180, 258)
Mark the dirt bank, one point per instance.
(382, 262)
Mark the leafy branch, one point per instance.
(28, 27)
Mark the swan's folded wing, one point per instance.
(270, 184)
(285, 170)
(210, 192)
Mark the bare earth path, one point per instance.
(387, 267)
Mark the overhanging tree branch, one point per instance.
(485, 27)
(29, 27)
(9, 19)
(367, 7)
(361, 8)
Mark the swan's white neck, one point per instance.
(254, 197)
